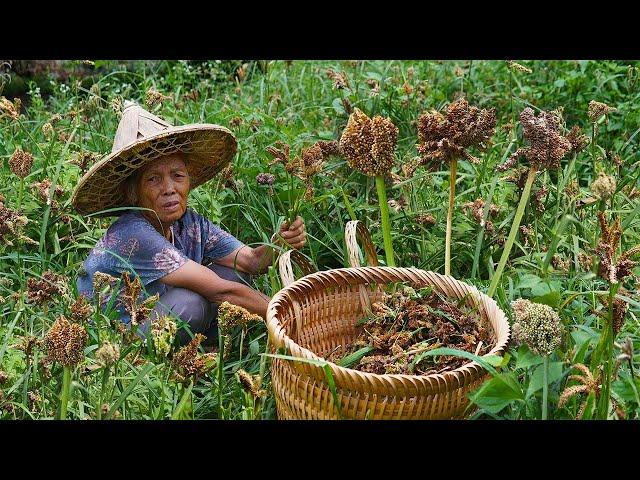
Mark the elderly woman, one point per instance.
(190, 262)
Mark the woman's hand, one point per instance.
(295, 234)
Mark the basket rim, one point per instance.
(472, 367)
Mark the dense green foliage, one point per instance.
(297, 103)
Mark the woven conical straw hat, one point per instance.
(141, 138)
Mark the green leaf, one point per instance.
(127, 391)
(184, 410)
(624, 389)
(355, 356)
(497, 393)
(528, 280)
(337, 106)
(526, 358)
(486, 362)
(536, 381)
(552, 299)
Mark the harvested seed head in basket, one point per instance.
(409, 322)
(369, 144)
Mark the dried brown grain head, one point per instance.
(598, 109)
(80, 310)
(65, 342)
(369, 144)
(340, 79)
(42, 290)
(604, 186)
(425, 219)
(546, 146)
(138, 311)
(577, 139)
(231, 316)
(9, 109)
(154, 97)
(613, 269)
(190, 365)
(21, 162)
(108, 354)
(443, 138)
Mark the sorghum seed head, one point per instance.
(598, 109)
(108, 354)
(41, 290)
(577, 139)
(153, 97)
(444, 138)
(80, 310)
(163, 330)
(65, 342)
(21, 162)
(546, 146)
(230, 316)
(11, 110)
(102, 280)
(516, 67)
(265, 179)
(47, 130)
(369, 144)
(425, 219)
(604, 186)
(540, 326)
(340, 80)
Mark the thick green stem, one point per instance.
(220, 372)
(452, 196)
(514, 231)
(105, 380)
(66, 390)
(545, 385)
(386, 224)
(603, 355)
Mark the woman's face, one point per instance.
(163, 186)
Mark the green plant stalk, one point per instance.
(66, 391)
(545, 385)
(514, 231)
(603, 355)
(220, 372)
(452, 196)
(386, 224)
(105, 379)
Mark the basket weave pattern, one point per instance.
(317, 315)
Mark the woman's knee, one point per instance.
(188, 306)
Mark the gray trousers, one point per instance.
(195, 313)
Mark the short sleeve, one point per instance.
(139, 246)
(217, 242)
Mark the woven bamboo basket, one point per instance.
(318, 314)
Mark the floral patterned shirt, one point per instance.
(132, 244)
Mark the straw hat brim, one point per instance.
(208, 148)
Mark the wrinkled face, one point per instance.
(163, 186)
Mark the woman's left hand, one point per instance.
(294, 234)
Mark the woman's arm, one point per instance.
(256, 260)
(200, 279)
